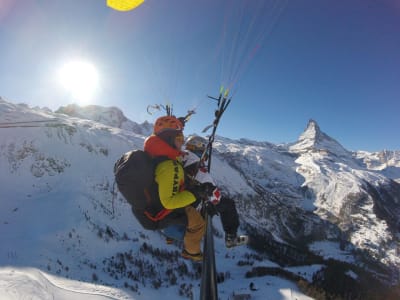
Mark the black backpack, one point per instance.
(134, 175)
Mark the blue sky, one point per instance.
(337, 62)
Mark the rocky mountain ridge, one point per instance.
(110, 116)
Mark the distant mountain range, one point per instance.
(307, 203)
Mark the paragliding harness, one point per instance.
(134, 176)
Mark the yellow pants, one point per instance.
(195, 230)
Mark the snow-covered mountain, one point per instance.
(316, 174)
(386, 161)
(306, 205)
(315, 189)
(343, 189)
(110, 116)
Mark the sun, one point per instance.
(80, 78)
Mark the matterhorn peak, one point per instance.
(313, 138)
(312, 131)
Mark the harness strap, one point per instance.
(159, 216)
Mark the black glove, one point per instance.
(199, 191)
(202, 192)
(211, 209)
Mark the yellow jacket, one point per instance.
(170, 177)
(169, 174)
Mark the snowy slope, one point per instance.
(23, 283)
(66, 234)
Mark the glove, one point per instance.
(215, 196)
(210, 208)
(202, 192)
(212, 193)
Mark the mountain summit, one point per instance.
(313, 138)
(312, 132)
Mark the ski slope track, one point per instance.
(65, 232)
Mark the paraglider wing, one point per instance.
(124, 5)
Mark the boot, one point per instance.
(194, 257)
(233, 240)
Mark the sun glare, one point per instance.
(80, 79)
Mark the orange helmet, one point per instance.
(167, 123)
